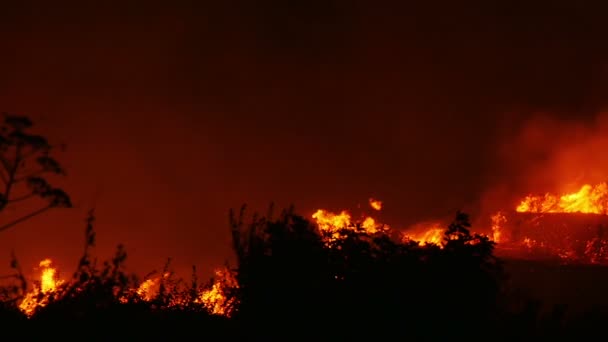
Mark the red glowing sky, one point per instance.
(173, 114)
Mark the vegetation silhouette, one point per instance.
(360, 284)
(25, 160)
(294, 282)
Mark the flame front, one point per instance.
(148, 289)
(217, 299)
(431, 235)
(332, 223)
(38, 295)
(589, 200)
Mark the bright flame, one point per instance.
(217, 299)
(432, 235)
(149, 289)
(589, 199)
(329, 221)
(332, 223)
(376, 204)
(145, 289)
(38, 296)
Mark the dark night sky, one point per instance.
(175, 112)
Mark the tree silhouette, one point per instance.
(25, 160)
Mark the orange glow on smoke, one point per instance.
(498, 220)
(589, 200)
(541, 239)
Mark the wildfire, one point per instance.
(217, 299)
(38, 296)
(149, 289)
(575, 233)
(498, 220)
(333, 223)
(589, 200)
(376, 204)
(431, 235)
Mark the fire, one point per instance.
(148, 290)
(589, 200)
(498, 220)
(332, 223)
(217, 299)
(432, 235)
(376, 204)
(38, 296)
(329, 221)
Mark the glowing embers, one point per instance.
(566, 237)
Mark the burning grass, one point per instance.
(293, 272)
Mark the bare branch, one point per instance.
(11, 176)
(26, 217)
(33, 174)
(21, 198)
(5, 163)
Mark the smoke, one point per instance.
(547, 154)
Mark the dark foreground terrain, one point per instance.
(293, 282)
(578, 287)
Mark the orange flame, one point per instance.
(432, 235)
(332, 223)
(589, 199)
(149, 289)
(376, 204)
(38, 295)
(217, 299)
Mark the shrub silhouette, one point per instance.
(101, 301)
(294, 281)
(360, 284)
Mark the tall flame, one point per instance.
(38, 295)
(217, 299)
(498, 220)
